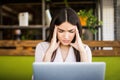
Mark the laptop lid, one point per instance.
(69, 71)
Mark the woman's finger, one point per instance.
(77, 35)
(77, 32)
(54, 33)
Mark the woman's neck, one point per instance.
(64, 47)
(64, 51)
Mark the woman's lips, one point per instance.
(66, 41)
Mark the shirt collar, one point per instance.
(69, 58)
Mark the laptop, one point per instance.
(69, 71)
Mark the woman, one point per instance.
(64, 43)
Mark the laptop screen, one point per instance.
(69, 71)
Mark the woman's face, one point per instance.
(66, 33)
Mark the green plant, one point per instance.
(92, 21)
(82, 13)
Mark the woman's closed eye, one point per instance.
(60, 31)
(71, 31)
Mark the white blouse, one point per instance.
(43, 46)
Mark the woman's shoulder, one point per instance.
(86, 46)
(43, 44)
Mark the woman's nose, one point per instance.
(66, 35)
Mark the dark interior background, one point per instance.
(11, 8)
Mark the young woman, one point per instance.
(64, 43)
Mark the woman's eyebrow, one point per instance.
(60, 29)
(68, 30)
(71, 30)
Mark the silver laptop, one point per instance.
(69, 71)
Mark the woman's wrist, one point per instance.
(48, 54)
(83, 54)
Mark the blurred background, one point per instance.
(106, 11)
(25, 23)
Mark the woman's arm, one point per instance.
(40, 51)
(84, 54)
(52, 47)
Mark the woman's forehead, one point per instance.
(66, 25)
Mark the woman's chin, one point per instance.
(65, 44)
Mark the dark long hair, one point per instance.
(69, 15)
